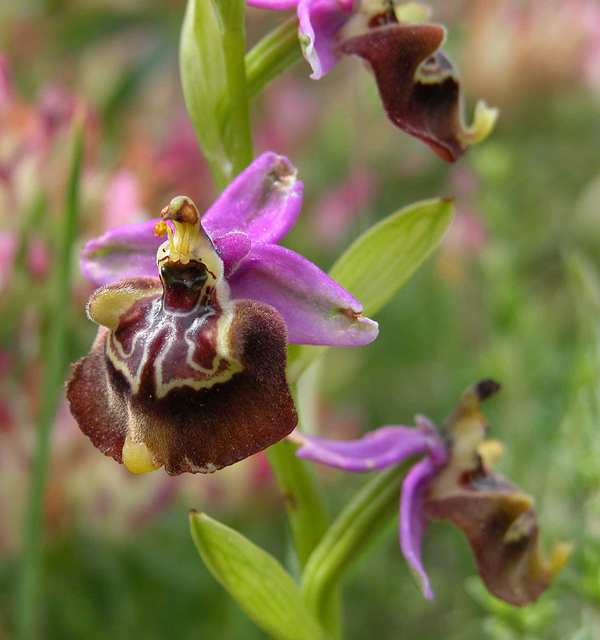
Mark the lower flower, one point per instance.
(454, 481)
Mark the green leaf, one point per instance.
(378, 263)
(277, 51)
(213, 77)
(383, 259)
(256, 580)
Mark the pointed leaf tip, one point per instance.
(256, 580)
(383, 259)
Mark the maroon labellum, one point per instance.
(180, 376)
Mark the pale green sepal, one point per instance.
(256, 580)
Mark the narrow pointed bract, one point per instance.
(180, 375)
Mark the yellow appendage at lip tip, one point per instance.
(137, 457)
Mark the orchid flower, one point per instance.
(454, 481)
(188, 368)
(417, 82)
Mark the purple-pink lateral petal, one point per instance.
(413, 519)
(263, 201)
(315, 308)
(374, 451)
(123, 252)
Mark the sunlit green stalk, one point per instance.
(238, 134)
(271, 56)
(356, 526)
(29, 584)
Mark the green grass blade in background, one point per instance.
(277, 51)
(256, 580)
(29, 585)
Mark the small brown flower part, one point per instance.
(418, 84)
(498, 519)
(180, 376)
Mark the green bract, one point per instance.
(258, 582)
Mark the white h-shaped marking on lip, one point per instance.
(120, 357)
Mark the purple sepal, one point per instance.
(130, 250)
(413, 519)
(123, 252)
(316, 309)
(320, 23)
(263, 201)
(374, 451)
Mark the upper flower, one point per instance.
(417, 82)
(245, 224)
(454, 481)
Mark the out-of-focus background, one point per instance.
(513, 293)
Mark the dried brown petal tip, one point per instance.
(487, 388)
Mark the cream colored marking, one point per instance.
(209, 468)
(108, 305)
(138, 458)
(484, 120)
(434, 77)
(133, 379)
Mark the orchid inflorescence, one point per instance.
(188, 369)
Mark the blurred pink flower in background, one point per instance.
(512, 51)
(290, 113)
(8, 250)
(467, 236)
(122, 200)
(342, 204)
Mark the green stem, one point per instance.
(276, 52)
(271, 56)
(304, 501)
(238, 133)
(353, 530)
(29, 585)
